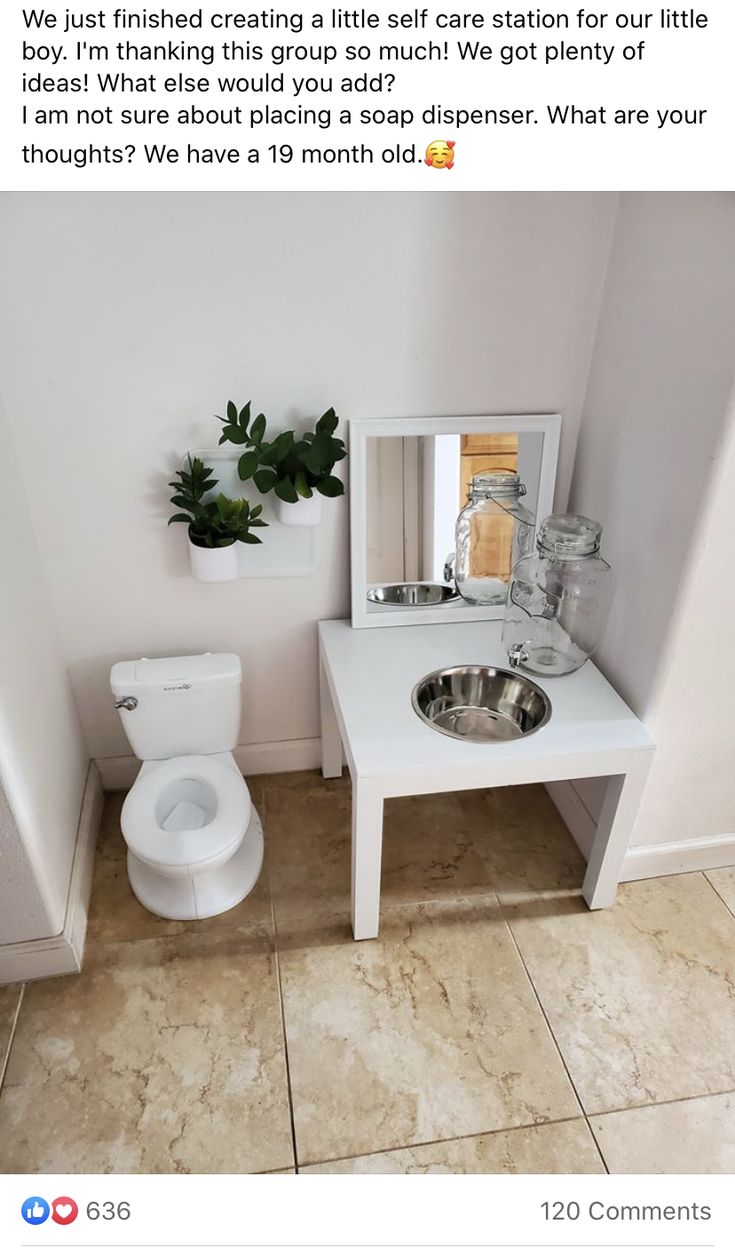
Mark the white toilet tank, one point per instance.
(170, 707)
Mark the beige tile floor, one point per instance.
(495, 1026)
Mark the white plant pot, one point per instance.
(307, 511)
(215, 563)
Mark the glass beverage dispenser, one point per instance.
(557, 598)
(494, 530)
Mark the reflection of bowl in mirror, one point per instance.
(487, 704)
(412, 594)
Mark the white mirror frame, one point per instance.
(419, 426)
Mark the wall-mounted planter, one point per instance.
(214, 563)
(305, 513)
(287, 549)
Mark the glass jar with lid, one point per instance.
(494, 530)
(558, 597)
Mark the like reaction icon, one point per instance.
(65, 1210)
(35, 1210)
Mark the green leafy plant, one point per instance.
(212, 522)
(290, 465)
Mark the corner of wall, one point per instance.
(63, 954)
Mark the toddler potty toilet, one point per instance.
(194, 838)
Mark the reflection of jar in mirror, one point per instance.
(558, 598)
(494, 530)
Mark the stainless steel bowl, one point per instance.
(412, 594)
(485, 704)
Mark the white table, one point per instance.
(366, 679)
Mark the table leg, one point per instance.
(613, 834)
(367, 846)
(331, 740)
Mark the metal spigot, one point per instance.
(517, 654)
(449, 567)
(126, 704)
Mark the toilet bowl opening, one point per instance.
(186, 804)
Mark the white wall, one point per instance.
(127, 320)
(43, 760)
(691, 791)
(23, 904)
(655, 414)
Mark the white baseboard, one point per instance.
(264, 758)
(270, 757)
(705, 853)
(63, 954)
(643, 862)
(117, 773)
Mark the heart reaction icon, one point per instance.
(64, 1210)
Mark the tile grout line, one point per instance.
(676, 1100)
(11, 1037)
(443, 1139)
(552, 1033)
(623, 1109)
(718, 894)
(279, 982)
(286, 1059)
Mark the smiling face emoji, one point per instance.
(440, 154)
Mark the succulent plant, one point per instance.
(218, 521)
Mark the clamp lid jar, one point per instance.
(494, 530)
(558, 598)
(566, 536)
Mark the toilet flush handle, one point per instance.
(126, 704)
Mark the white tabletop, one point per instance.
(372, 673)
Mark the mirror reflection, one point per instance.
(447, 516)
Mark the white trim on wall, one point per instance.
(262, 758)
(63, 954)
(643, 862)
(703, 853)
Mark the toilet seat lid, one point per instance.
(176, 783)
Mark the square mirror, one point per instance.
(409, 480)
